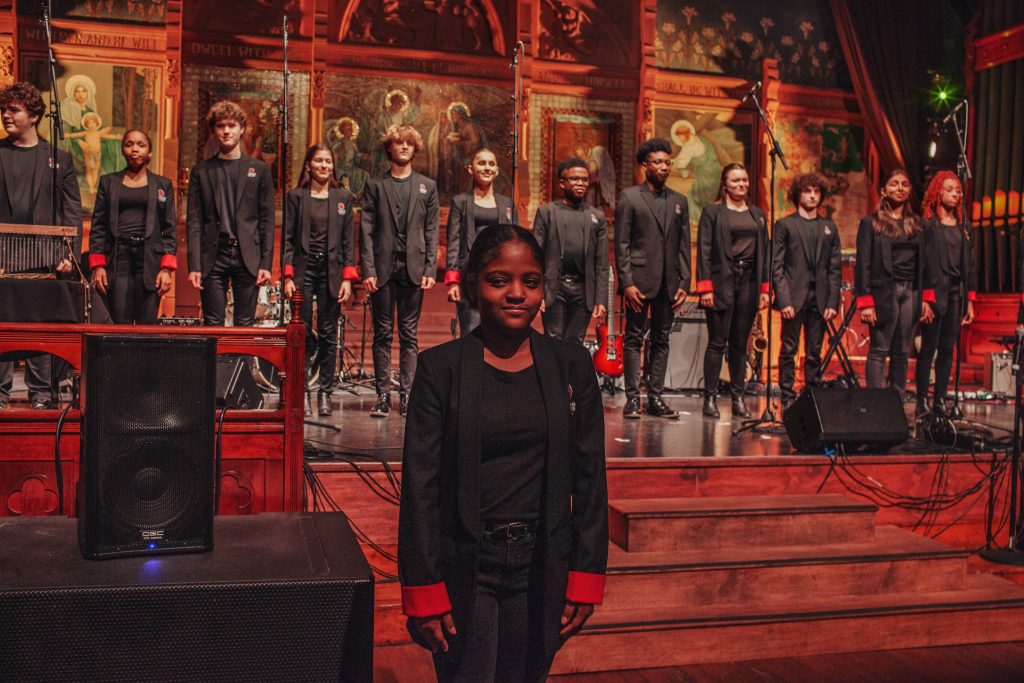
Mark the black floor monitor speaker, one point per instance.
(855, 419)
(236, 386)
(147, 460)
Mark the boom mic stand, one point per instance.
(768, 416)
(517, 96)
(963, 173)
(282, 155)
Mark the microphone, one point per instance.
(752, 92)
(950, 115)
(517, 51)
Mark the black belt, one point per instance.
(508, 531)
(127, 240)
(743, 264)
(317, 254)
(227, 241)
(570, 278)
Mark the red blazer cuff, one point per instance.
(451, 277)
(972, 296)
(350, 273)
(585, 588)
(289, 271)
(705, 286)
(169, 261)
(866, 301)
(425, 601)
(764, 287)
(97, 260)
(928, 295)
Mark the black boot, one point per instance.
(711, 406)
(403, 404)
(323, 403)
(631, 411)
(382, 407)
(922, 406)
(739, 408)
(658, 408)
(306, 407)
(939, 408)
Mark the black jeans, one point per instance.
(497, 647)
(229, 267)
(660, 310)
(130, 301)
(568, 317)
(322, 347)
(809, 320)
(401, 294)
(892, 340)
(731, 328)
(939, 336)
(37, 378)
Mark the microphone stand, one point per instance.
(768, 416)
(963, 173)
(282, 158)
(56, 121)
(517, 94)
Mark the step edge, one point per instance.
(787, 561)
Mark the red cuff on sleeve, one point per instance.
(350, 273)
(289, 270)
(705, 286)
(97, 260)
(972, 296)
(928, 295)
(764, 287)
(425, 601)
(451, 277)
(585, 588)
(866, 301)
(169, 261)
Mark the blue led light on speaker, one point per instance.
(152, 546)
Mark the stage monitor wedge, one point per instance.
(147, 463)
(855, 419)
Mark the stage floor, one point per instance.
(691, 436)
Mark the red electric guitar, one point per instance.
(608, 358)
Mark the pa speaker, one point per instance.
(236, 385)
(687, 342)
(147, 460)
(853, 418)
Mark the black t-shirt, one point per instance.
(318, 225)
(483, 217)
(23, 173)
(744, 229)
(226, 180)
(513, 445)
(132, 206)
(573, 222)
(403, 187)
(954, 240)
(904, 257)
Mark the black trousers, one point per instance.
(892, 340)
(321, 347)
(731, 328)
(937, 341)
(229, 268)
(406, 297)
(129, 299)
(37, 378)
(809, 320)
(660, 310)
(568, 317)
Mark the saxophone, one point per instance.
(757, 344)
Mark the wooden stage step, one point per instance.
(660, 524)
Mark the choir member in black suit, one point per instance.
(399, 259)
(807, 271)
(889, 281)
(574, 238)
(652, 254)
(947, 247)
(230, 222)
(732, 281)
(319, 257)
(470, 213)
(26, 196)
(133, 241)
(503, 528)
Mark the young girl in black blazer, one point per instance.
(889, 281)
(732, 281)
(133, 239)
(503, 528)
(319, 256)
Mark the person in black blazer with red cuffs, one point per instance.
(807, 272)
(732, 282)
(318, 256)
(652, 252)
(950, 268)
(133, 241)
(889, 281)
(230, 222)
(503, 526)
(470, 213)
(398, 255)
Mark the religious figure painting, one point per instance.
(132, 11)
(703, 142)
(472, 26)
(593, 137)
(588, 31)
(454, 119)
(98, 103)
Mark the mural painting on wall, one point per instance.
(450, 25)
(703, 142)
(587, 31)
(733, 37)
(257, 18)
(835, 150)
(132, 11)
(455, 119)
(99, 102)
(592, 137)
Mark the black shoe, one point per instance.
(323, 403)
(711, 406)
(307, 409)
(657, 408)
(922, 406)
(41, 404)
(382, 407)
(939, 408)
(632, 409)
(403, 404)
(739, 408)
